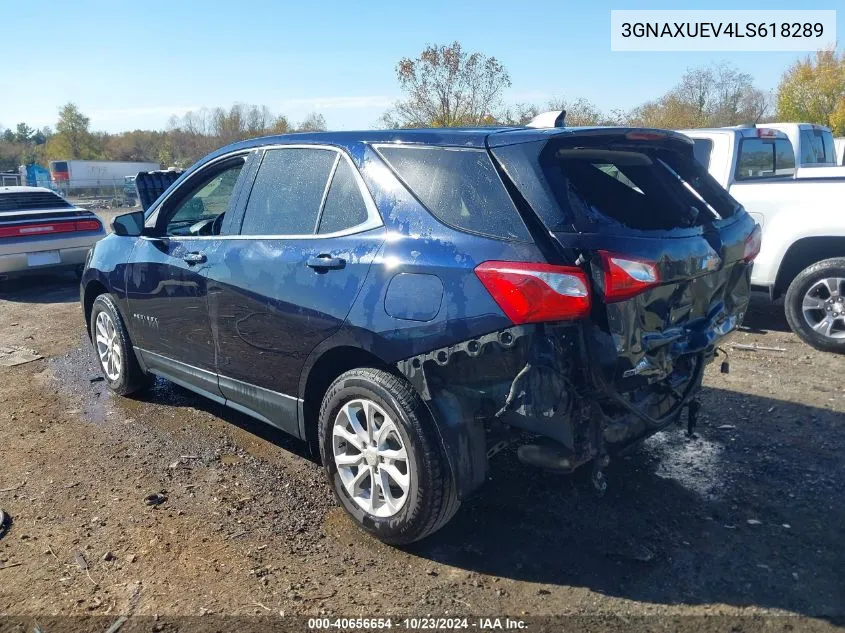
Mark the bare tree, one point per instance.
(314, 122)
(579, 112)
(447, 87)
(708, 96)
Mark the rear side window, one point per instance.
(702, 149)
(344, 207)
(764, 158)
(460, 187)
(288, 191)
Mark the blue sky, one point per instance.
(133, 64)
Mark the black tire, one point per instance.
(803, 283)
(131, 378)
(432, 498)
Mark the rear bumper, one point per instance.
(16, 257)
(566, 382)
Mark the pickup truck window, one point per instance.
(764, 158)
(702, 149)
(817, 148)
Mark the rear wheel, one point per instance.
(114, 351)
(383, 458)
(815, 305)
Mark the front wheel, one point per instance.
(815, 305)
(383, 457)
(114, 351)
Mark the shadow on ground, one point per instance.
(765, 316)
(56, 287)
(750, 515)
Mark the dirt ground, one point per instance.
(747, 519)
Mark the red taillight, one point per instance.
(88, 225)
(625, 277)
(752, 244)
(531, 293)
(48, 228)
(766, 132)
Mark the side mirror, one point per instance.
(128, 224)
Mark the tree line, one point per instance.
(186, 139)
(446, 86)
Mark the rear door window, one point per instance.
(460, 187)
(765, 158)
(288, 192)
(344, 207)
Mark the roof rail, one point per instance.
(552, 118)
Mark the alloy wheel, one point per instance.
(823, 307)
(371, 458)
(108, 346)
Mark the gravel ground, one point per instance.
(746, 520)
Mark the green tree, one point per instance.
(446, 87)
(812, 90)
(73, 138)
(23, 133)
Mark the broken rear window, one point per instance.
(645, 188)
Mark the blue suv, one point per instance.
(410, 302)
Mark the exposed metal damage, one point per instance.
(573, 393)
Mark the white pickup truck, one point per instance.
(815, 149)
(803, 222)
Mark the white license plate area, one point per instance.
(44, 258)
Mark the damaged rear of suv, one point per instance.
(411, 301)
(646, 267)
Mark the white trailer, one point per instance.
(94, 174)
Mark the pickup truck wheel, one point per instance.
(113, 349)
(815, 305)
(383, 457)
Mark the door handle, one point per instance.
(194, 258)
(322, 263)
